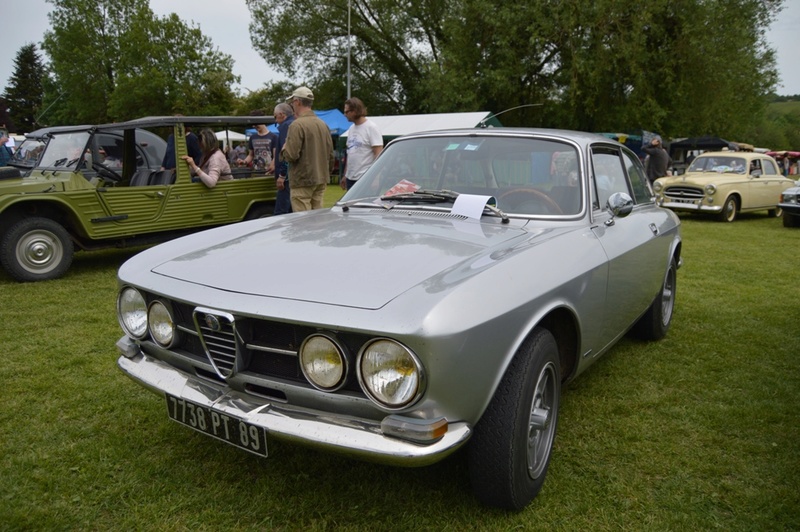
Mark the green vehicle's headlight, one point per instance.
(710, 189)
(389, 373)
(323, 362)
(132, 312)
(162, 326)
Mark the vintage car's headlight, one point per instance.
(323, 362)
(710, 189)
(132, 312)
(658, 186)
(162, 326)
(390, 373)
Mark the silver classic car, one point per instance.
(442, 303)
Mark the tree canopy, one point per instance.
(676, 66)
(25, 90)
(110, 59)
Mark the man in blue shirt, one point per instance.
(5, 151)
(284, 115)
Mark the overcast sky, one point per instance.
(227, 25)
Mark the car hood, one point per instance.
(357, 260)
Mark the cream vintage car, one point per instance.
(725, 183)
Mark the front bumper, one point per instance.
(792, 209)
(359, 438)
(691, 206)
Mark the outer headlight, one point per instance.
(710, 189)
(390, 373)
(657, 186)
(323, 362)
(132, 312)
(162, 326)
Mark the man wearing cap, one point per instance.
(309, 152)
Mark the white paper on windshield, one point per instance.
(470, 205)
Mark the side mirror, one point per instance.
(620, 205)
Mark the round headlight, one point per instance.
(323, 362)
(711, 189)
(657, 186)
(132, 312)
(389, 373)
(162, 326)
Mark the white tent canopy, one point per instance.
(230, 136)
(396, 125)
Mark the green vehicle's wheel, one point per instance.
(36, 249)
(510, 449)
(728, 213)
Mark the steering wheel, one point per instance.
(106, 172)
(517, 198)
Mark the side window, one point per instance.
(639, 183)
(109, 150)
(608, 175)
(769, 168)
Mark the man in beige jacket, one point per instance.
(309, 152)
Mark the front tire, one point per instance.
(777, 212)
(728, 213)
(36, 249)
(654, 324)
(510, 449)
(790, 220)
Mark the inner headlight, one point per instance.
(390, 373)
(657, 186)
(711, 189)
(162, 326)
(323, 362)
(132, 312)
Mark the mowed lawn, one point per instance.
(699, 431)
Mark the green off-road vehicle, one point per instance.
(93, 187)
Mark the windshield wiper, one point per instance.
(438, 196)
(433, 196)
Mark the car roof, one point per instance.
(581, 137)
(157, 121)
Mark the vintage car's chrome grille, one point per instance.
(218, 336)
(684, 192)
(262, 348)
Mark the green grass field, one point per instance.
(699, 431)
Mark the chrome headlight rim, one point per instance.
(658, 186)
(154, 323)
(418, 368)
(123, 315)
(710, 189)
(341, 353)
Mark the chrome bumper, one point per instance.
(359, 438)
(694, 207)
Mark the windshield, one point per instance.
(28, 153)
(524, 175)
(720, 165)
(65, 150)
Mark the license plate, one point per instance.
(218, 425)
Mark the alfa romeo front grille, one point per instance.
(218, 336)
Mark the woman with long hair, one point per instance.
(214, 166)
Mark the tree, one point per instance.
(25, 89)
(115, 60)
(665, 65)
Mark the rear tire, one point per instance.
(654, 324)
(36, 249)
(260, 210)
(510, 449)
(775, 213)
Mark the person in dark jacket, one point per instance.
(658, 160)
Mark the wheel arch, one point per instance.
(563, 325)
(53, 210)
